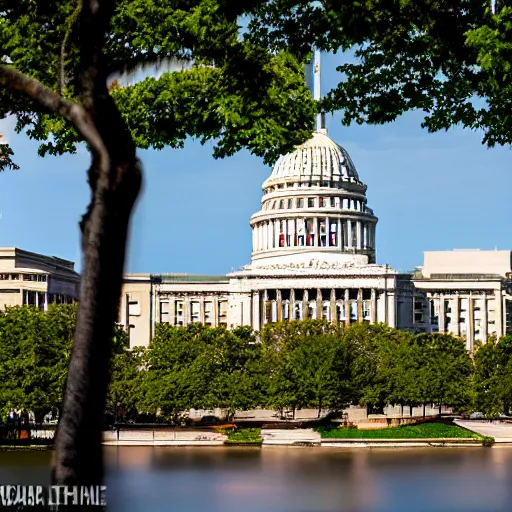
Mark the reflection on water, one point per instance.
(292, 479)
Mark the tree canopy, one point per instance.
(234, 91)
(450, 60)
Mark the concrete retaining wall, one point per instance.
(163, 438)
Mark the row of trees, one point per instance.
(295, 365)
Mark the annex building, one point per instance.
(314, 256)
(27, 278)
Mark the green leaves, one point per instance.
(238, 93)
(34, 354)
(493, 378)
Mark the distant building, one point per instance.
(469, 293)
(36, 280)
(314, 256)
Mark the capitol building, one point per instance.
(314, 256)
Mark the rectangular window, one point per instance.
(164, 311)
(290, 204)
(333, 202)
(179, 307)
(311, 202)
(366, 310)
(323, 202)
(301, 203)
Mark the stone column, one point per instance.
(264, 301)
(46, 301)
(374, 306)
(256, 305)
(359, 235)
(172, 309)
(334, 310)
(276, 234)
(347, 308)
(471, 327)
(319, 304)
(338, 234)
(441, 319)
(349, 233)
(186, 311)
(305, 305)
(456, 315)
(499, 313)
(483, 321)
(279, 305)
(37, 299)
(391, 297)
(215, 311)
(291, 312)
(360, 305)
(365, 236)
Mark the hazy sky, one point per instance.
(429, 191)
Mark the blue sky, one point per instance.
(430, 191)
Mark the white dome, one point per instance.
(320, 158)
(314, 207)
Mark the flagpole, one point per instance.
(317, 89)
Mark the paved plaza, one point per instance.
(502, 432)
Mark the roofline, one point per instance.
(55, 261)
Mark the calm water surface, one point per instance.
(219, 479)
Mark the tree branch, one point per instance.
(73, 112)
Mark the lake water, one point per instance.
(220, 479)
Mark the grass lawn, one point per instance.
(248, 436)
(423, 431)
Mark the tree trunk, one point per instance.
(440, 406)
(424, 406)
(319, 408)
(78, 449)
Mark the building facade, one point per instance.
(314, 256)
(27, 278)
(469, 293)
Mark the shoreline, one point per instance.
(328, 443)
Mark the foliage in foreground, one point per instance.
(300, 364)
(422, 431)
(35, 348)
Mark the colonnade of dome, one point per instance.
(314, 202)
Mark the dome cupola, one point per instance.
(314, 207)
(318, 159)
